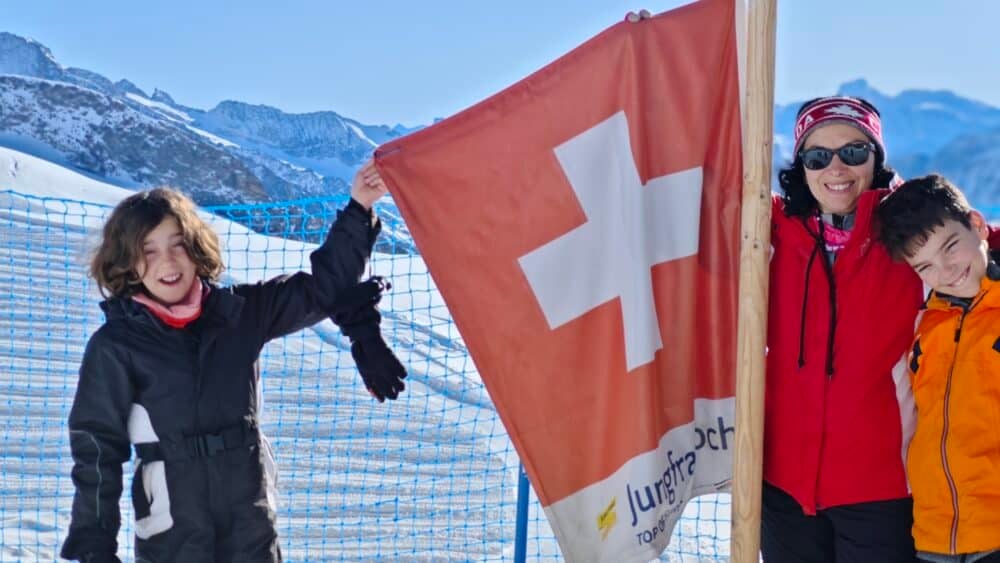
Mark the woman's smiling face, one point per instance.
(838, 186)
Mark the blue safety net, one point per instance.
(430, 477)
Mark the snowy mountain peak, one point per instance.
(20, 55)
(323, 141)
(293, 155)
(242, 110)
(126, 86)
(161, 96)
(106, 137)
(88, 79)
(860, 88)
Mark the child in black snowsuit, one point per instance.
(173, 371)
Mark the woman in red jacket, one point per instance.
(839, 411)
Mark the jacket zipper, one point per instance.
(953, 545)
(822, 442)
(195, 339)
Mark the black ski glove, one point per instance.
(356, 314)
(92, 544)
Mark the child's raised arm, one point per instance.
(291, 303)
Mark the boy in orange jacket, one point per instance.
(953, 460)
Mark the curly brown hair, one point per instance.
(115, 260)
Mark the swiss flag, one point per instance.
(583, 228)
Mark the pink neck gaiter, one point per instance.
(181, 314)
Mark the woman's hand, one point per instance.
(368, 185)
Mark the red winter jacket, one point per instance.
(838, 411)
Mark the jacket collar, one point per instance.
(222, 307)
(860, 240)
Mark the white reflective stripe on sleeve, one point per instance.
(97, 470)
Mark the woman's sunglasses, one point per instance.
(851, 154)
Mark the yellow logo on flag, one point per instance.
(607, 519)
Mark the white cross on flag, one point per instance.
(583, 228)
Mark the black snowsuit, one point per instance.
(189, 400)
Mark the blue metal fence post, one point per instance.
(521, 528)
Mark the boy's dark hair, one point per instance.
(908, 215)
(114, 263)
(799, 201)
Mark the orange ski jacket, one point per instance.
(953, 459)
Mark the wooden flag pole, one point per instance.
(754, 255)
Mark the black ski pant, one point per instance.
(856, 533)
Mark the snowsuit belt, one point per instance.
(237, 436)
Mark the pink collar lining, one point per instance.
(181, 314)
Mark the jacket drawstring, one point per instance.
(828, 270)
(805, 301)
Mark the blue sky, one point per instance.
(393, 61)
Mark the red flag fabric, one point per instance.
(583, 228)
